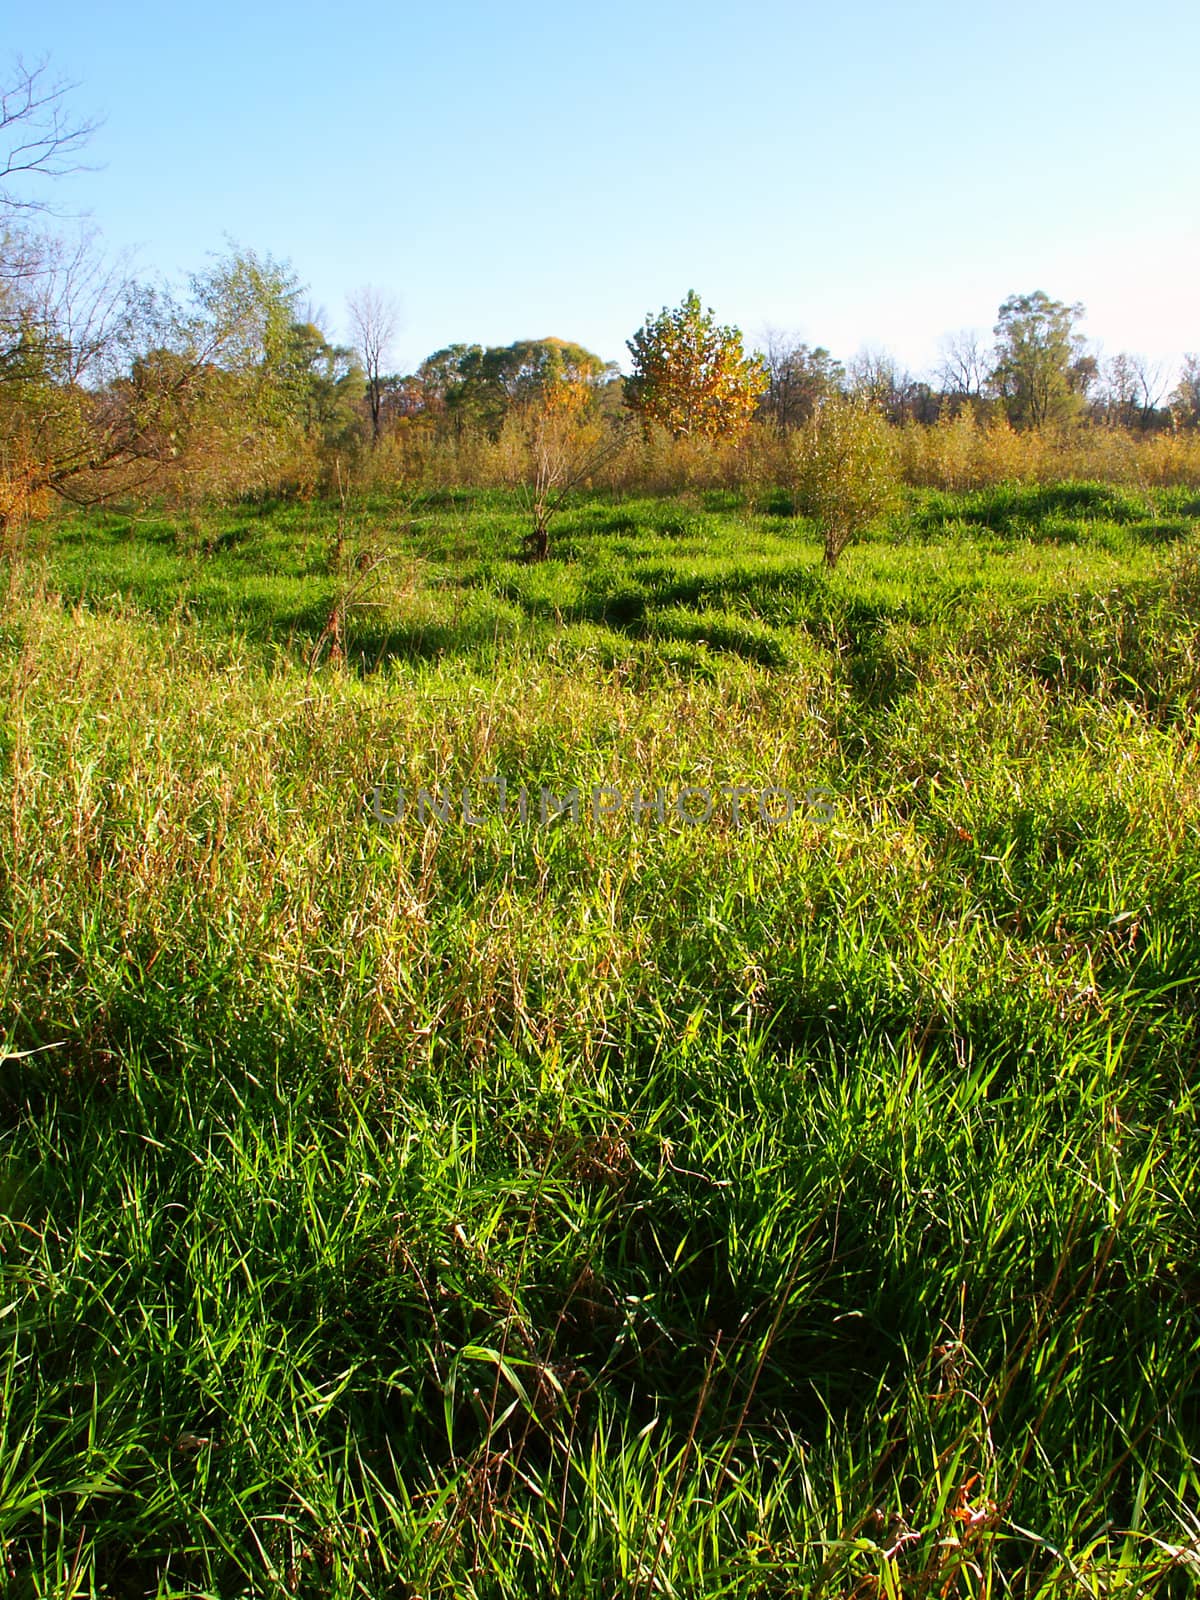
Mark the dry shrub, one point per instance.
(20, 504)
(224, 461)
(1169, 459)
(762, 461)
(957, 453)
(659, 463)
(398, 457)
(963, 452)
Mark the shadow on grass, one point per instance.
(1031, 510)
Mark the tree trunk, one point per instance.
(539, 542)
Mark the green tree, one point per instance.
(844, 470)
(451, 384)
(273, 396)
(474, 385)
(1041, 369)
(532, 369)
(327, 383)
(243, 316)
(692, 376)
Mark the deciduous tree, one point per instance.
(798, 377)
(1041, 369)
(558, 438)
(875, 377)
(39, 137)
(844, 470)
(692, 376)
(1133, 388)
(328, 385)
(481, 386)
(963, 371)
(105, 384)
(1185, 399)
(375, 318)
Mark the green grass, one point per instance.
(611, 1207)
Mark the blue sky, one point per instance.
(874, 174)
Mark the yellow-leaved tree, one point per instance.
(691, 376)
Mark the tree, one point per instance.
(327, 382)
(37, 136)
(477, 386)
(562, 439)
(248, 371)
(75, 421)
(692, 376)
(1041, 370)
(1185, 400)
(797, 378)
(532, 369)
(963, 372)
(374, 317)
(1133, 389)
(450, 381)
(69, 322)
(106, 384)
(72, 421)
(243, 317)
(843, 469)
(874, 377)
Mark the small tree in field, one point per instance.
(692, 376)
(844, 470)
(557, 440)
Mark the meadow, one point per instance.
(605, 1206)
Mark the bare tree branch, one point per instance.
(965, 365)
(37, 136)
(375, 318)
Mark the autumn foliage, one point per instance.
(692, 376)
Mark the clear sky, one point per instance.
(864, 174)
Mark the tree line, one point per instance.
(1037, 372)
(111, 386)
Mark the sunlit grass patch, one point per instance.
(607, 1204)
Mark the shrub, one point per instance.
(844, 471)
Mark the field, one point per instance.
(609, 1205)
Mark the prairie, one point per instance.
(608, 1205)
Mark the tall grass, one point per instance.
(604, 1207)
(960, 452)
